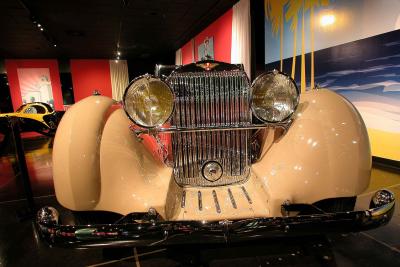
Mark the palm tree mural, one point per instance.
(293, 14)
(274, 10)
(303, 58)
(311, 4)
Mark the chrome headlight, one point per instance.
(275, 96)
(148, 101)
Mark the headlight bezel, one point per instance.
(257, 80)
(149, 76)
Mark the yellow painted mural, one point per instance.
(350, 47)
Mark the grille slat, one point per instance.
(193, 122)
(210, 99)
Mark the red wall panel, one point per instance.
(221, 31)
(187, 53)
(89, 75)
(13, 64)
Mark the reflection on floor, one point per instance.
(19, 246)
(38, 158)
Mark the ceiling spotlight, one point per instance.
(54, 45)
(116, 61)
(41, 29)
(118, 57)
(118, 53)
(39, 25)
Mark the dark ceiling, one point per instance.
(92, 29)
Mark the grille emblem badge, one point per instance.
(212, 171)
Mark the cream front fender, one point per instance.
(132, 180)
(76, 161)
(324, 154)
(98, 163)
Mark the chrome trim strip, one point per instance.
(184, 115)
(217, 207)
(200, 200)
(238, 127)
(183, 200)
(232, 198)
(195, 167)
(246, 195)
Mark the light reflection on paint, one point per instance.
(314, 143)
(298, 167)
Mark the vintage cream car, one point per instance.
(205, 156)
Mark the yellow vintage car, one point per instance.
(243, 161)
(36, 116)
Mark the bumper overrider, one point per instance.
(146, 229)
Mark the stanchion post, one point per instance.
(20, 153)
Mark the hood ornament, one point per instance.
(207, 65)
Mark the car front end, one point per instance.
(205, 156)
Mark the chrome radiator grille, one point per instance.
(211, 99)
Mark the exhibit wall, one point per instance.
(351, 47)
(38, 80)
(108, 77)
(34, 81)
(217, 37)
(227, 39)
(89, 75)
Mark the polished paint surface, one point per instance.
(131, 179)
(76, 162)
(329, 153)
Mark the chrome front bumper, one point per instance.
(145, 229)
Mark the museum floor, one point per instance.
(19, 246)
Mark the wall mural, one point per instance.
(206, 49)
(351, 47)
(35, 85)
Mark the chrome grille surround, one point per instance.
(211, 99)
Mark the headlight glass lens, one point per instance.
(275, 96)
(148, 101)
